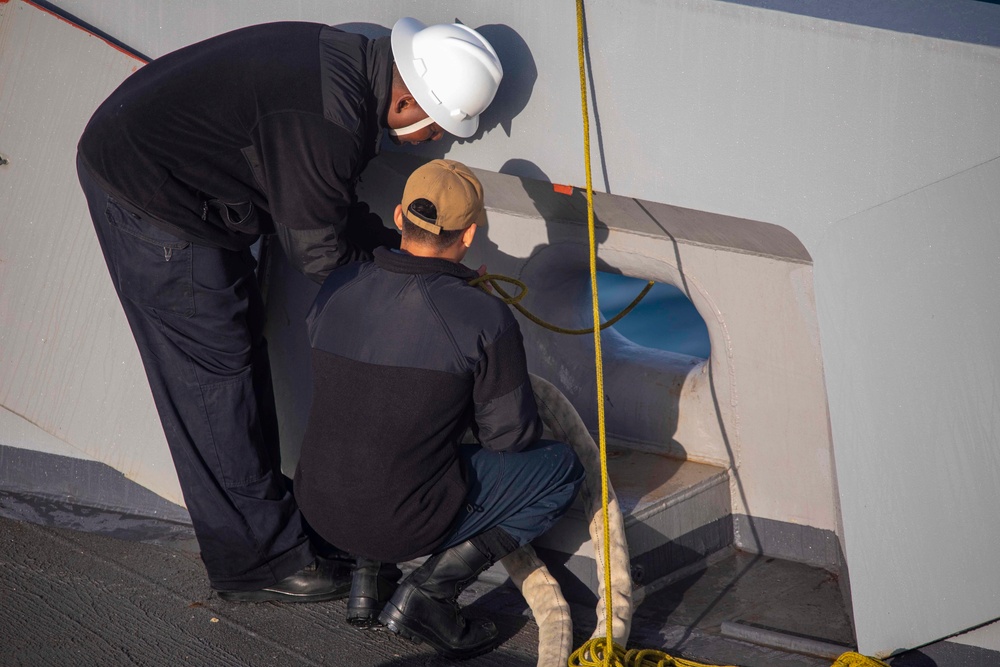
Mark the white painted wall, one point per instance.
(71, 382)
(866, 143)
(909, 290)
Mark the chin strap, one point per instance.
(410, 129)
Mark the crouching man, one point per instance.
(406, 357)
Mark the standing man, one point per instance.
(382, 472)
(263, 130)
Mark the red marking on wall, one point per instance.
(79, 27)
(562, 189)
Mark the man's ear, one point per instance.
(404, 102)
(470, 233)
(397, 217)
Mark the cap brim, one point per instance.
(402, 52)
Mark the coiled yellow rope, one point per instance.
(652, 658)
(852, 659)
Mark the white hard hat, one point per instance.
(450, 69)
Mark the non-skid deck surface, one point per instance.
(81, 597)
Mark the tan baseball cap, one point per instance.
(453, 189)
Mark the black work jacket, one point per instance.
(406, 356)
(260, 130)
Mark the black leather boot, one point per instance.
(372, 584)
(425, 607)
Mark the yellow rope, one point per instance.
(494, 279)
(592, 654)
(595, 652)
(852, 659)
(605, 648)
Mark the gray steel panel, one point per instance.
(907, 301)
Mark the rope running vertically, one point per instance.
(599, 368)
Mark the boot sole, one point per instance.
(364, 617)
(364, 623)
(395, 621)
(279, 596)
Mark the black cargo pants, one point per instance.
(197, 317)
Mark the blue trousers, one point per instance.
(198, 319)
(523, 493)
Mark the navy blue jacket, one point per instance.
(406, 357)
(256, 131)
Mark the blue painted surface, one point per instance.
(664, 320)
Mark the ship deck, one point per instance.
(81, 586)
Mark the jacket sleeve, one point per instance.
(506, 416)
(317, 252)
(310, 167)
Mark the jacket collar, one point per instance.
(398, 262)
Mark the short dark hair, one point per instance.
(397, 78)
(426, 210)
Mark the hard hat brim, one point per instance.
(402, 51)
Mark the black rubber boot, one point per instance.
(372, 584)
(425, 607)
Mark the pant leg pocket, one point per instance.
(153, 267)
(241, 452)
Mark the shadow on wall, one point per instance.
(556, 272)
(538, 187)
